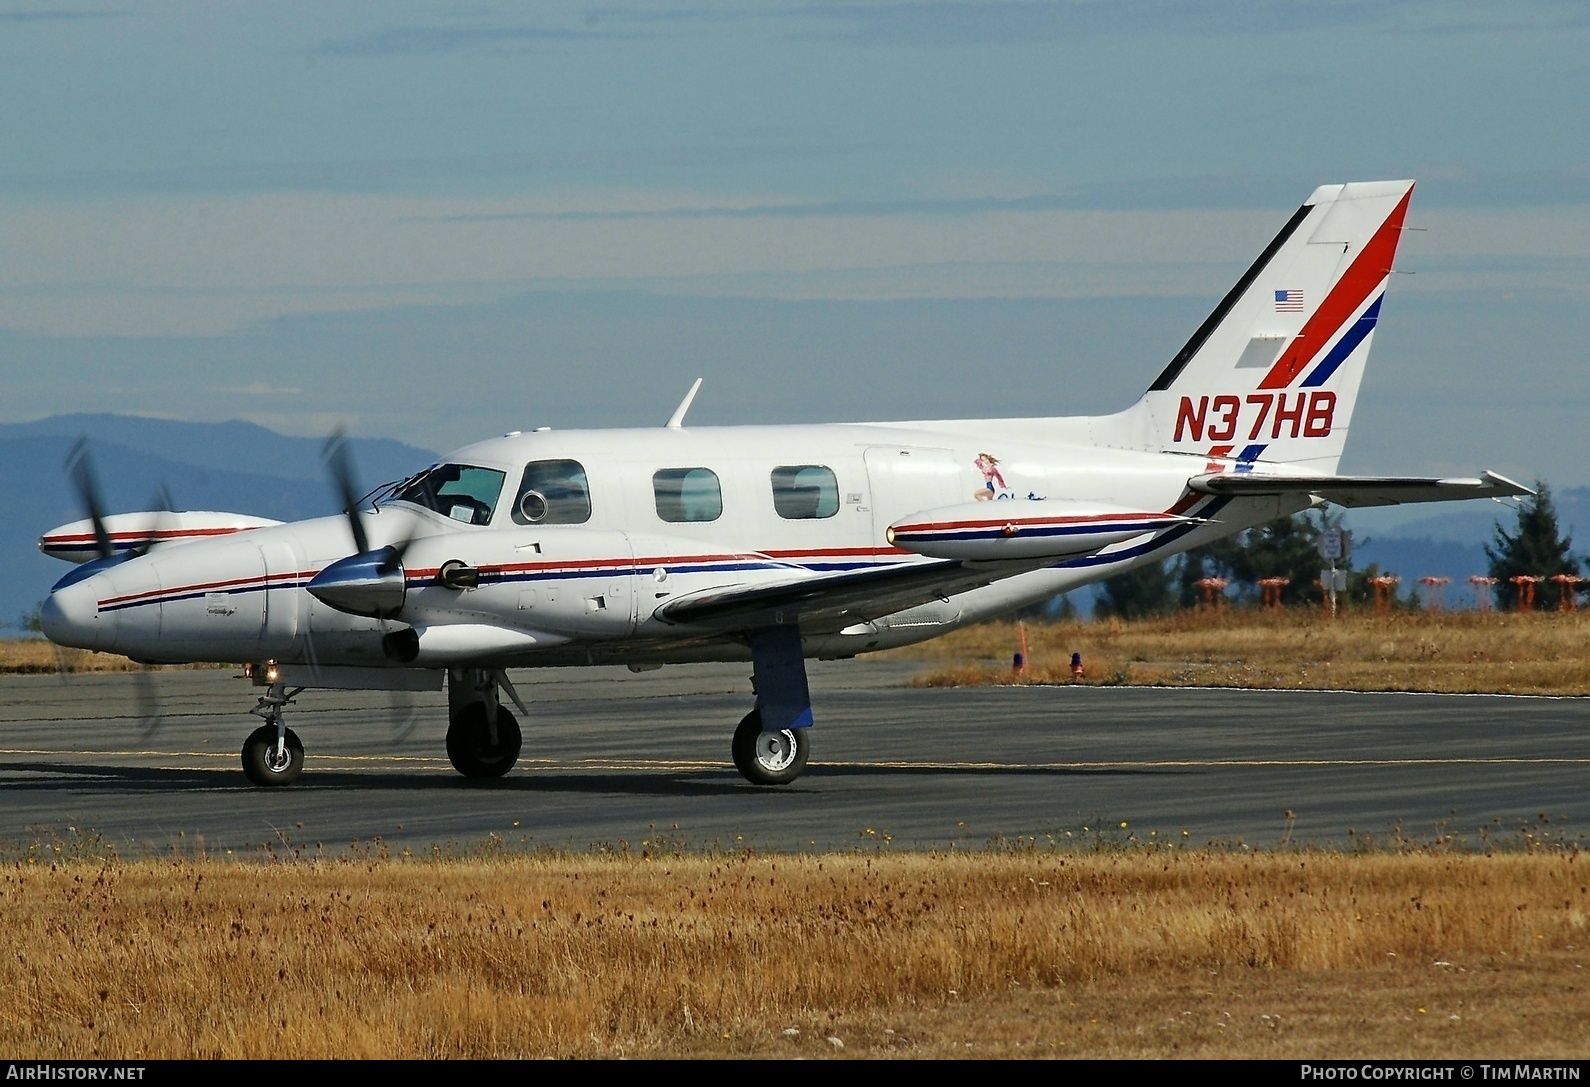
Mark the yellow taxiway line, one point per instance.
(322, 760)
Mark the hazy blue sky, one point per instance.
(438, 222)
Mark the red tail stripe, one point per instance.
(1368, 270)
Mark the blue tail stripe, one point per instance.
(1345, 346)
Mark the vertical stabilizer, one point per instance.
(1272, 374)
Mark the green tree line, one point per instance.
(1289, 548)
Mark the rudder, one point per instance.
(1273, 373)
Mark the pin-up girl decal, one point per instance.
(993, 481)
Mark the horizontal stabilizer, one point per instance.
(1033, 529)
(1361, 490)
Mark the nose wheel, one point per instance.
(769, 757)
(272, 754)
(269, 759)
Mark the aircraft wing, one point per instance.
(824, 602)
(1361, 490)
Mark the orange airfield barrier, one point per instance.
(1213, 590)
(1385, 587)
(1568, 600)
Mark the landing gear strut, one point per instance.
(483, 738)
(272, 754)
(770, 745)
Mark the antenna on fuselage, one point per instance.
(677, 420)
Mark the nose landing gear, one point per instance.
(272, 754)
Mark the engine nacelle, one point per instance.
(458, 643)
(137, 532)
(1023, 529)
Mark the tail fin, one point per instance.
(1273, 372)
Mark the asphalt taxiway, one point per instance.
(611, 757)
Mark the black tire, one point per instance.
(778, 760)
(260, 764)
(469, 745)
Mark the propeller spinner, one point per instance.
(369, 582)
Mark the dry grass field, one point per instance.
(1505, 652)
(1102, 953)
(35, 656)
(1471, 652)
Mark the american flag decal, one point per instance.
(1288, 301)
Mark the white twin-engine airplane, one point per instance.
(767, 544)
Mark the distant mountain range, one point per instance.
(243, 468)
(236, 466)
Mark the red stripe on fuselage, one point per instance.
(835, 552)
(206, 586)
(941, 526)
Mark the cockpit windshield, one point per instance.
(460, 491)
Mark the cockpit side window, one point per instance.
(687, 494)
(805, 491)
(553, 492)
(460, 491)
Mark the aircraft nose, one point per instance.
(70, 616)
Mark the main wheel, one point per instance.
(469, 743)
(769, 758)
(263, 765)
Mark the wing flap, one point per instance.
(1355, 491)
(824, 602)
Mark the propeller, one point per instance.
(371, 583)
(405, 716)
(339, 466)
(380, 595)
(85, 481)
(80, 470)
(150, 713)
(368, 582)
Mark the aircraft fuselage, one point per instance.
(587, 592)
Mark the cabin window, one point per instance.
(553, 492)
(687, 494)
(460, 491)
(805, 491)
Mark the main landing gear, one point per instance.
(272, 754)
(770, 745)
(483, 738)
(769, 757)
